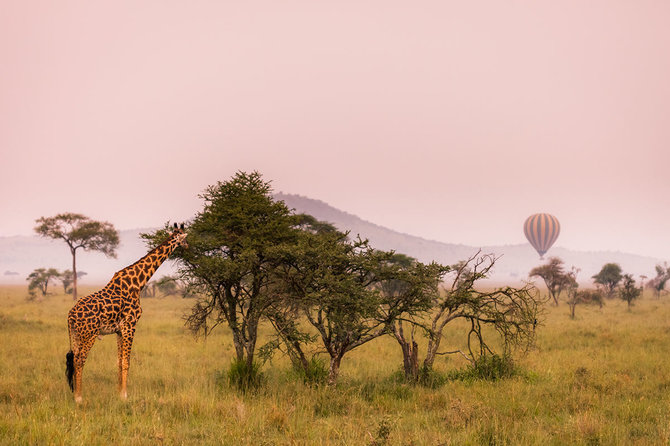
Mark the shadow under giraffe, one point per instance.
(114, 309)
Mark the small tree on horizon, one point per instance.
(629, 291)
(608, 278)
(658, 283)
(39, 281)
(577, 296)
(67, 279)
(555, 277)
(79, 231)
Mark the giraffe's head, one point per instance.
(179, 235)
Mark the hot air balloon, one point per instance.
(541, 231)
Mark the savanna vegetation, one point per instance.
(297, 333)
(601, 378)
(252, 260)
(79, 232)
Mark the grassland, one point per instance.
(603, 378)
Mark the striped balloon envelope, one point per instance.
(541, 231)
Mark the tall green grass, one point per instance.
(603, 378)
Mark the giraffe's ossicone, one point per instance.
(114, 309)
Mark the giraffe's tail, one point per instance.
(69, 369)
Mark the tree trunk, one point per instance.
(74, 275)
(410, 353)
(410, 357)
(334, 370)
(298, 357)
(239, 345)
(431, 351)
(250, 360)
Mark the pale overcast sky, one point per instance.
(450, 120)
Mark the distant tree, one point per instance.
(149, 289)
(585, 297)
(608, 278)
(67, 278)
(571, 288)
(658, 283)
(629, 291)
(79, 231)
(575, 296)
(554, 275)
(39, 280)
(167, 286)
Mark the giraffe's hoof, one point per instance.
(124, 395)
(78, 399)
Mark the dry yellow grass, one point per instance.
(602, 378)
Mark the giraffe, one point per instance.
(114, 309)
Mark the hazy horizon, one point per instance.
(450, 121)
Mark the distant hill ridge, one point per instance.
(515, 262)
(19, 255)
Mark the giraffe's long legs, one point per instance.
(124, 342)
(79, 360)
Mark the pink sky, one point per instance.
(449, 120)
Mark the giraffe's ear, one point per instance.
(181, 226)
(175, 225)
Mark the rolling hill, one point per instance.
(515, 262)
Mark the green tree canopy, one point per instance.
(629, 291)
(79, 231)
(39, 280)
(348, 291)
(235, 245)
(554, 276)
(608, 278)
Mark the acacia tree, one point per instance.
(586, 297)
(235, 244)
(511, 313)
(608, 278)
(628, 290)
(575, 296)
(658, 283)
(149, 289)
(334, 283)
(555, 277)
(293, 276)
(67, 278)
(39, 280)
(79, 231)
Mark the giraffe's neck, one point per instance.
(138, 274)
